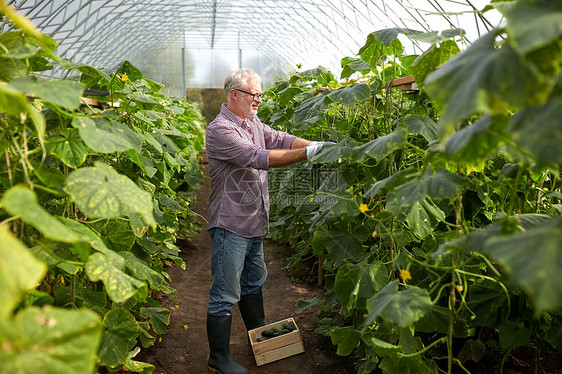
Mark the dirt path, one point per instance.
(186, 350)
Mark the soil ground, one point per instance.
(185, 351)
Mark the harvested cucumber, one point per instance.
(268, 333)
(286, 326)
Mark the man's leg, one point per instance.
(227, 262)
(252, 279)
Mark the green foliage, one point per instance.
(436, 213)
(92, 199)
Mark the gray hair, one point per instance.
(239, 78)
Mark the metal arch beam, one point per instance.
(102, 48)
(301, 40)
(274, 32)
(104, 44)
(294, 29)
(102, 21)
(272, 14)
(310, 40)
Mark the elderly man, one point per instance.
(241, 149)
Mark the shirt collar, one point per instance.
(234, 118)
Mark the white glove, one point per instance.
(314, 147)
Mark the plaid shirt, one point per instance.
(238, 153)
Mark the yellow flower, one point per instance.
(124, 77)
(185, 327)
(160, 340)
(459, 288)
(405, 274)
(374, 234)
(311, 199)
(363, 207)
(187, 203)
(177, 306)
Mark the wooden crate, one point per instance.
(277, 347)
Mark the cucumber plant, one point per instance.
(92, 199)
(436, 215)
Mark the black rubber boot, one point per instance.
(218, 333)
(251, 308)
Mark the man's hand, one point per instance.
(314, 147)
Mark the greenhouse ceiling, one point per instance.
(194, 43)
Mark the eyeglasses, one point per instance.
(255, 96)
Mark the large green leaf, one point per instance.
(140, 270)
(422, 125)
(486, 300)
(49, 176)
(119, 285)
(64, 93)
(361, 280)
(287, 94)
(102, 192)
(400, 308)
(538, 131)
(309, 108)
(20, 271)
(340, 242)
(485, 79)
(120, 328)
(383, 146)
(145, 336)
(20, 201)
(92, 77)
(13, 101)
(330, 153)
(151, 140)
(106, 136)
(383, 42)
(351, 94)
(423, 216)
(351, 65)
(436, 37)
(407, 365)
(132, 72)
(512, 336)
(68, 147)
(476, 142)
(50, 340)
(346, 338)
(159, 318)
(476, 240)
(441, 185)
(381, 347)
(56, 254)
(391, 182)
(532, 23)
(118, 235)
(138, 366)
(533, 258)
(90, 237)
(143, 98)
(432, 58)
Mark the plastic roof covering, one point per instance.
(195, 43)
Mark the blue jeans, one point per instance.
(238, 269)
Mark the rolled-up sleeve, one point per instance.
(276, 139)
(226, 143)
